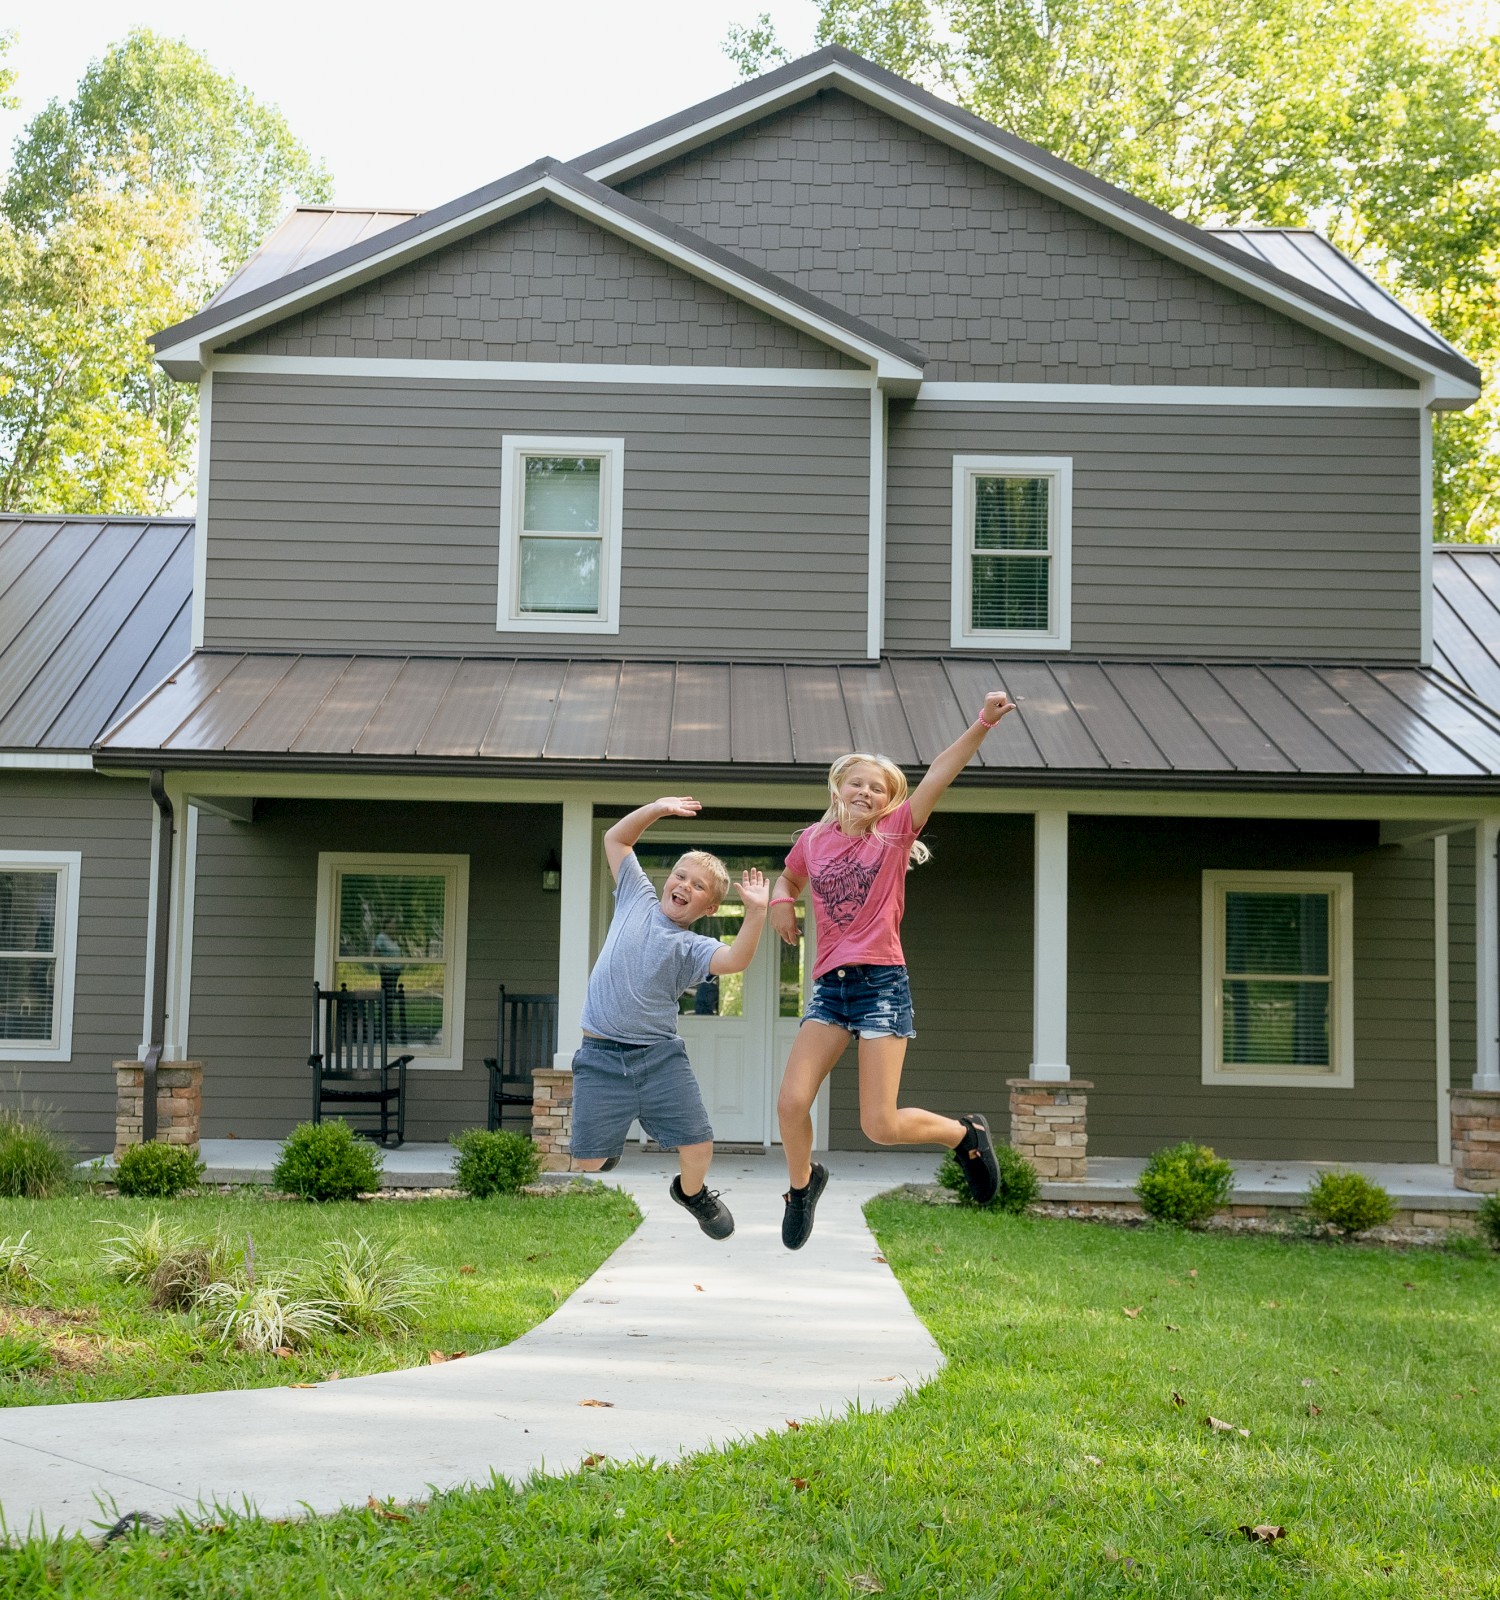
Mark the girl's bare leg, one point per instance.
(880, 1118)
(816, 1048)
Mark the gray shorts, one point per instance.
(616, 1084)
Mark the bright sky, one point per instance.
(410, 105)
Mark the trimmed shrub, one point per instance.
(501, 1162)
(1019, 1184)
(326, 1161)
(35, 1163)
(1488, 1218)
(367, 1288)
(1348, 1201)
(1184, 1184)
(157, 1171)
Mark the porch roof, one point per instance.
(1134, 723)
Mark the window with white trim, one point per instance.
(1012, 552)
(38, 953)
(1278, 978)
(561, 507)
(398, 923)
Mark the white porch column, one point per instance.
(1049, 1052)
(573, 926)
(1486, 957)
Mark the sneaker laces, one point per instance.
(704, 1197)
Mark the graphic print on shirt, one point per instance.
(843, 887)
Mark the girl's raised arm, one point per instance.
(947, 766)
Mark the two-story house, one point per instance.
(784, 427)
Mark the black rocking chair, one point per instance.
(526, 1029)
(351, 1062)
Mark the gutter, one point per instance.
(160, 938)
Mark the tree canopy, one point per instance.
(1376, 121)
(123, 210)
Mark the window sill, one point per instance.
(1251, 1079)
(557, 626)
(1010, 641)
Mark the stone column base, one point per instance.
(552, 1116)
(1475, 1115)
(1049, 1126)
(179, 1103)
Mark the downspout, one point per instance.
(161, 939)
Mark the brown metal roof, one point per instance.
(94, 611)
(306, 235)
(1282, 726)
(1466, 617)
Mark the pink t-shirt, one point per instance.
(858, 888)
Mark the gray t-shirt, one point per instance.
(646, 962)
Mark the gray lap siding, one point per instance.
(1217, 533)
(364, 514)
(254, 948)
(108, 820)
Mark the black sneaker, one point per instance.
(797, 1219)
(610, 1164)
(976, 1159)
(712, 1214)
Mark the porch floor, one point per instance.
(1413, 1186)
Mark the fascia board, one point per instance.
(1049, 174)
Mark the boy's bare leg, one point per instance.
(880, 1119)
(815, 1051)
(692, 1162)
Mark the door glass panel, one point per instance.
(720, 994)
(793, 971)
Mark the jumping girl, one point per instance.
(856, 860)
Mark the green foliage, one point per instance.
(136, 1251)
(269, 1312)
(1348, 1201)
(326, 1161)
(22, 1352)
(502, 1162)
(1184, 1184)
(184, 1273)
(1376, 121)
(20, 1266)
(156, 1171)
(1488, 1218)
(1019, 1184)
(35, 1162)
(367, 1287)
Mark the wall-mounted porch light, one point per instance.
(551, 873)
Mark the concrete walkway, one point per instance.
(693, 1344)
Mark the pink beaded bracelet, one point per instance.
(784, 900)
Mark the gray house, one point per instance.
(786, 426)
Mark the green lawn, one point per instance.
(1050, 1458)
(104, 1343)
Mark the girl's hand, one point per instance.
(755, 891)
(678, 805)
(996, 704)
(784, 921)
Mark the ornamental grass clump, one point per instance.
(490, 1163)
(1348, 1201)
(367, 1287)
(1184, 1185)
(156, 1171)
(35, 1162)
(272, 1311)
(21, 1266)
(183, 1274)
(1019, 1183)
(134, 1253)
(326, 1161)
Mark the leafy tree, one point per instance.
(1377, 121)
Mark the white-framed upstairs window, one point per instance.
(561, 509)
(1278, 979)
(1012, 552)
(399, 923)
(38, 953)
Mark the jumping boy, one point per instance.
(632, 1064)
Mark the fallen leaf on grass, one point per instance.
(890, 1377)
(882, 1261)
(1132, 1311)
(435, 1358)
(1177, 1399)
(1192, 1272)
(1173, 1328)
(1270, 1305)
(670, 1539)
(302, 1386)
(1408, 1286)
(603, 1405)
(1094, 1461)
(1307, 1383)
(591, 1461)
(1263, 1532)
(466, 1270)
(283, 1351)
(866, 1583)
(556, 1295)
(699, 1287)
(794, 1427)
(1314, 1411)
(333, 1377)
(799, 1484)
(385, 1511)
(937, 1249)
(1219, 1425)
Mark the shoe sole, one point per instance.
(816, 1184)
(723, 1209)
(991, 1167)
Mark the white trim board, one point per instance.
(68, 865)
(628, 374)
(1164, 394)
(43, 761)
(875, 594)
(200, 510)
(1442, 1040)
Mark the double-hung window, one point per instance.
(397, 923)
(38, 953)
(561, 506)
(1278, 971)
(1012, 558)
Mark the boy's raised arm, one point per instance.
(756, 893)
(622, 837)
(947, 766)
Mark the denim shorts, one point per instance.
(616, 1084)
(873, 1002)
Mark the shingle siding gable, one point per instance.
(996, 282)
(547, 286)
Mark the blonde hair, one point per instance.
(895, 783)
(712, 868)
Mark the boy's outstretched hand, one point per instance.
(678, 805)
(755, 889)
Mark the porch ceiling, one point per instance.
(1135, 723)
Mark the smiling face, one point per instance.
(864, 793)
(689, 893)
